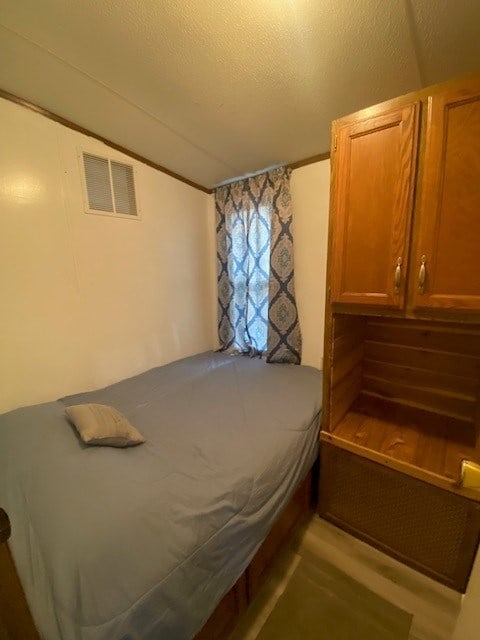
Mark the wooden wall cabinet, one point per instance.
(401, 406)
(448, 242)
(373, 196)
(375, 178)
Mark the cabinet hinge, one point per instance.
(335, 142)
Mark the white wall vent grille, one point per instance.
(109, 186)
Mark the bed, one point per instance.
(143, 543)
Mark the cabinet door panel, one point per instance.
(449, 216)
(375, 171)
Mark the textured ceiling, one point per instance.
(213, 89)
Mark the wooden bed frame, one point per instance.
(16, 622)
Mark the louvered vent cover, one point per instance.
(110, 186)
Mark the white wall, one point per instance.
(86, 299)
(213, 269)
(310, 187)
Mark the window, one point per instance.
(109, 186)
(249, 267)
(257, 312)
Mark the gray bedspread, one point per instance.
(142, 543)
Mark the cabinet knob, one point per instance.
(398, 275)
(422, 275)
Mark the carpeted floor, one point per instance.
(320, 602)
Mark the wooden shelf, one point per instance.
(424, 445)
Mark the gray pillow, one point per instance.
(102, 425)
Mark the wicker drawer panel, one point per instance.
(432, 530)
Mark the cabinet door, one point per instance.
(374, 174)
(446, 268)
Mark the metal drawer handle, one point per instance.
(422, 274)
(398, 275)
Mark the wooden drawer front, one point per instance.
(226, 615)
(296, 511)
(432, 530)
(224, 618)
(15, 618)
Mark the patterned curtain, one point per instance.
(257, 313)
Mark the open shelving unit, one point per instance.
(406, 394)
(401, 413)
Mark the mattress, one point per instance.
(142, 543)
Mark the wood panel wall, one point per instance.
(426, 365)
(346, 355)
(407, 394)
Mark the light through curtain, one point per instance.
(257, 310)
